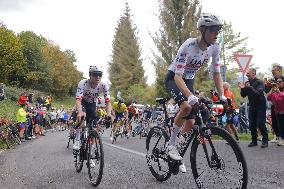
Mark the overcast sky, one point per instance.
(87, 26)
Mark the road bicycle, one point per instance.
(91, 150)
(72, 134)
(9, 133)
(216, 159)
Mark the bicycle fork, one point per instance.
(201, 138)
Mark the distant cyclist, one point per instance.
(87, 94)
(121, 112)
(192, 55)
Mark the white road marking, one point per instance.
(125, 149)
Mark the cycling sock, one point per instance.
(77, 134)
(175, 131)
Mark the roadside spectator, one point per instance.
(49, 99)
(276, 95)
(277, 73)
(22, 118)
(52, 116)
(39, 100)
(30, 98)
(23, 98)
(230, 113)
(60, 114)
(254, 89)
(38, 121)
(46, 103)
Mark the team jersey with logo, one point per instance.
(87, 93)
(119, 109)
(190, 58)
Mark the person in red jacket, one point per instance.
(23, 99)
(276, 96)
(231, 111)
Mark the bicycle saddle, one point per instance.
(162, 100)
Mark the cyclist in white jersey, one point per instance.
(87, 94)
(192, 55)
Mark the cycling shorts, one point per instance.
(118, 116)
(175, 92)
(230, 117)
(130, 115)
(22, 125)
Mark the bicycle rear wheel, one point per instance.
(95, 158)
(226, 165)
(157, 158)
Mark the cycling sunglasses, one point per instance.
(96, 74)
(215, 29)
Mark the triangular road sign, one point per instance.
(243, 61)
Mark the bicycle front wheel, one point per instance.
(157, 158)
(219, 162)
(95, 158)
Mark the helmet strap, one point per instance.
(203, 37)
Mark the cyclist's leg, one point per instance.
(188, 124)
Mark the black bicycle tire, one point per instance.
(80, 155)
(100, 175)
(237, 150)
(152, 131)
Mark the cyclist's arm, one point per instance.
(79, 106)
(181, 85)
(218, 83)
(108, 108)
(216, 69)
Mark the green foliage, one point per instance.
(67, 102)
(140, 94)
(63, 72)
(178, 20)
(8, 108)
(125, 67)
(32, 62)
(12, 62)
(232, 43)
(36, 72)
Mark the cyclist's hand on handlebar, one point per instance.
(110, 117)
(192, 100)
(80, 115)
(223, 99)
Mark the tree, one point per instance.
(64, 75)
(125, 67)
(12, 62)
(36, 75)
(178, 20)
(231, 43)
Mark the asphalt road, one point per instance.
(47, 163)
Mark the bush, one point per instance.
(13, 93)
(8, 108)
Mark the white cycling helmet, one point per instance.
(207, 19)
(94, 69)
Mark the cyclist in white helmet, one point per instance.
(192, 55)
(88, 91)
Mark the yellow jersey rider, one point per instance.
(120, 110)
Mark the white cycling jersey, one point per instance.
(87, 93)
(190, 58)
